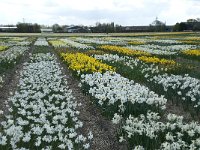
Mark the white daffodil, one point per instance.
(77, 45)
(41, 42)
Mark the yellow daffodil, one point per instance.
(94, 52)
(156, 60)
(57, 43)
(85, 63)
(136, 43)
(123, 50)
(2, 48)
(192, 52)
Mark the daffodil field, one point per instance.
(147, 85)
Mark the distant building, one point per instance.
(169, 28)
(145, 28)
(77, 29)
(8, 29)
(46, 30)
(135, 29)
(155, 26)
(157, 23)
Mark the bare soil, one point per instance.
(179, 110)
(195, 64)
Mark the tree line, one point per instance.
(156, 26)
(190, 24)
(28, 28)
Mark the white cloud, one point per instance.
(124, 12)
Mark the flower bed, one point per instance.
(10, 56)
(58, 43)
(84, 63)
(43, 113)
(123, 50)
(76, 44)
(3, 48)
(41, 42)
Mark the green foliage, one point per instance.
(28, 28)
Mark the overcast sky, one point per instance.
(88, 12)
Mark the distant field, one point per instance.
(138, 90)
(97, 34)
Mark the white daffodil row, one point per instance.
(184, 86)
(162, 50)
(123, 40)
(5, 44)
(115, 58)
(17, 38)
(145, 39)
(24, 43)
(76, 44)
(41, 42)
(151, 133)
(43, 113)
(10, 55)
(165, 41)
(100, 41)
(111, 88)
(132, 63)
(187, 88)
(20, 41)
(15, 41)
(91, 40)
(115, 41)
(146, 131)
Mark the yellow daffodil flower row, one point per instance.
(123, 50)
(58, 43)
(19, 39)
(2, 48)
(192, 52)
(94, 52)
(192, 38)
(84, 63)
(190, 42)
(136, 43)
(156, 60)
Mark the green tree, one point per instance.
(182, 26)
(55, 27)
(192, 20)
(118, 28)
(196, 26)
(28, 28)
(176, 27)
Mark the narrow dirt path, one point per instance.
(104, 132)
(190, 62)
(179, 110)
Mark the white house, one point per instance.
(5, 29)
(46, 30)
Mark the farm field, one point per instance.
(127, 91)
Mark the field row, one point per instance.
(130, 79)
